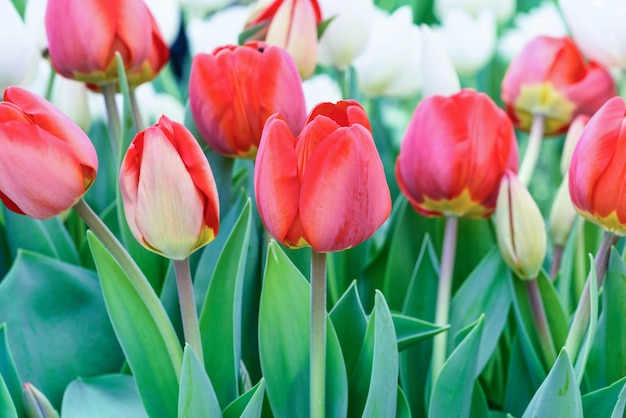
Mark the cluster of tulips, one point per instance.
(318, 178)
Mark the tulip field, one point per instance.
(312, 208)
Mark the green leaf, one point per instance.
(284, 343)
(249, 33)
(323, 25)
(248, 405)
(615, 291)
(410, 331)
(197, 397)
(620, 405)
(350, 322)
(8, 371)
(104, 396)
(485, 291)
(480, 408)
(403, 410)
(48, 237)
(583, 355)
(56, 325)
(557, 319)
(601, 403)
(558, 395)
(144, 332)
(220, 318)
(452, 393)
(7, 408)
(373, 384)
(519, 384)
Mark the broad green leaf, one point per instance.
(104, 396)
(485, 291)
(620, 405)
(480, 408)
(373, 384)
(8, 371)
(403, 410)
(197, 397)
(248, 405)
(350, 322)
(419, 303)
(557, 319)
(583, 355)
(7, 408)
(220, 318)
(144, 332)
(601, 403)
(48, 237)
(410, 331)
(558, 395)
(452, 392)
(284, 343)
(519, 384)
(615, 291)
(56, 325)
(344, 267)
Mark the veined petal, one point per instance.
(344, 196)
(313, 134)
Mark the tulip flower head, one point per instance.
(325, 188)
(47, 162)
(169, 193)
(520, 229)
(235, 89)
(157, 58)
(550, 77)
(454, 153)
(596, 172)
(83, 36)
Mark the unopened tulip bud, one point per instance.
(562, 215)
(520, 228)
(573, 134)
(36, 405)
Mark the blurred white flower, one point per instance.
(545, 19)
(167, 14)
(599, 29)
(470, 41)
(18, 49)
(222, 28)
(34, 19)
(437, 72)
(200, 8)
(320, 88)
(503, 9)
(390, 64)
(348, 33)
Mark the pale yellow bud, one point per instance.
(562, 215)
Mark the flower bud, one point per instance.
(36, 405)
(520, 228)
(571, 139)
(562, 215)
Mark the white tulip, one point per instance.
(470, 41)
(167, 14)
(222, 28)
(34, 19)
(18, 49)
(503, 9)
(598, 29)
(437, 72)
(347, 34)
(390, 65)
(320, 88)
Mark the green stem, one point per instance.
(318, 334)
(583, 311)
(187, 301)
(110, 242)
(113, 118)
(442, 311)
(50, 84)
(557, 256)
(345, 82)
(532, 149)
(541, 322)
(134, 105)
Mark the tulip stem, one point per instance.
(532, 149)
(442, 310)
(134, 105)
(318, 334)
(557, 256)
(187, 301)
(579, 324)
(113, 118)
(541, 322)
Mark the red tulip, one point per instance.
(235, 89)
(47, 162)
(292, 25)
(325, 188)
(170, 198)
(157, 57)
(83, 36)
(597, 170)
(454, 154)
(551, 77)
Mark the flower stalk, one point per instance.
(318, 334)
(186, 299)
(541, 322)
(113, 118)
(531, 156)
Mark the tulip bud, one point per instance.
(520, 228)
(571, 139)
(169, 193)
(36, 405)
(562, 215)
(47, 162)
(157, 57)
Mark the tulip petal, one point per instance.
(313, 134)
(276, 183)
(46, 183)
(344, 195)
(592, 91)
